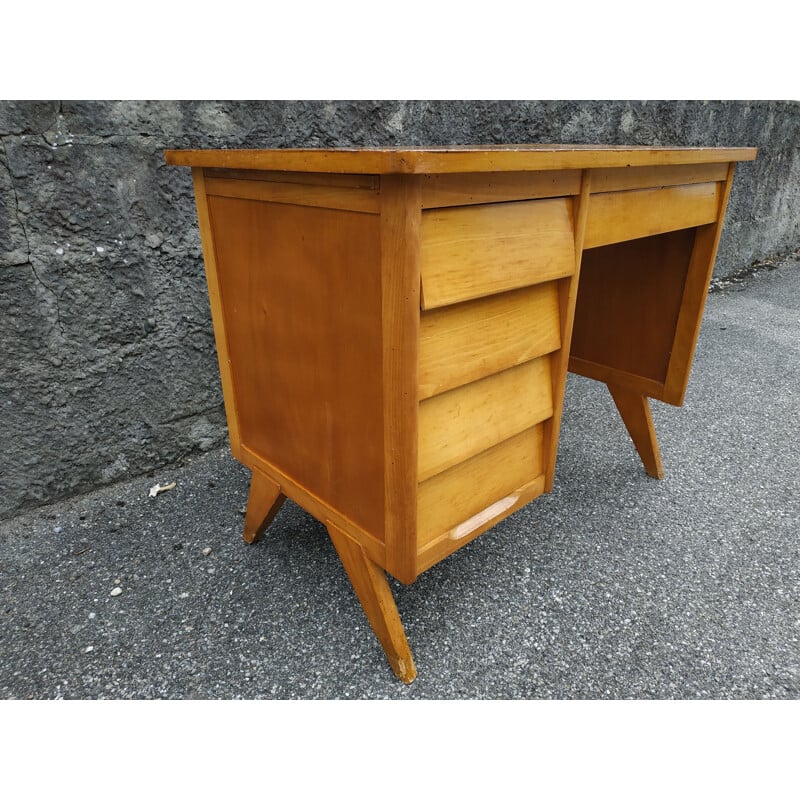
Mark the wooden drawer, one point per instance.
(622, 216)
(468, 341)
(456, 425)
(473, 251)
(459, 500)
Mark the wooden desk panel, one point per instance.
(303, 331)
(629, 299)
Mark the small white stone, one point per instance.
(158, 488)
(100, 249)
(89, 649)
(206, 551)
(116, 591)
(60, 251)
(92, 615)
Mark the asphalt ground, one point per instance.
(615, 585)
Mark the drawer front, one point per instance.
(484, 483)
(462, 343)
(474, 251)
(622, 216)
(459, 424)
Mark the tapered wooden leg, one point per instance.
(635, 412)
(263, 504)
(373, 592)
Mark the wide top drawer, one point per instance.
(473, 251)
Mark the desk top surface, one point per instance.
(483, 158)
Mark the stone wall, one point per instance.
(108, 365)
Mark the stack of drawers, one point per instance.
(489, 327)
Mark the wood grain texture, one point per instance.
(448, 159)
(567, 298)
(442, 190)
(373, 592)
(409, 432)
(624, 178)
(263, 503)
(606, 374)
(344, 181)
(454, 496)
(314, 505)
(458, 424)
(218, 311)
(629, 299)
(451, 540)
(399, 307)
(634, 409)
(701, 268)
(345, 198)
(623, 216)
(473, 251)
(302, 295)
(468, 341)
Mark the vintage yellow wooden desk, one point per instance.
(394, 327)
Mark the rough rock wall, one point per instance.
(108, 367)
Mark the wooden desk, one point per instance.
(394, 327)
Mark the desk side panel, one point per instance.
(217, 310)
(695, 293)
(300, 287)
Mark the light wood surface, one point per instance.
(623, 216)
(693, 301)
(458, 424)
(448, 159)
(567, 294)
(316, 506)
(606, 374)
(399, 304)
(464, 342)
(628, 304)
(326, 179)
(394, 327)
(373, 592)
(263, 503)
(472, 251)
(439, 547)
(219, 312)
(454, 496)
(346, 199)
(442, 190)
(303, 322)
(620, 179)
(635, 412)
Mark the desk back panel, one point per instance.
(629, 298)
